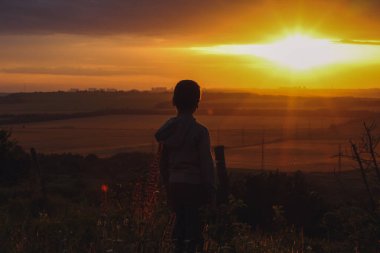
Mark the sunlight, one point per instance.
(297, 52)
(300, 52)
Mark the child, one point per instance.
(186, 166)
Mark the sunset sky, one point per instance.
(126, 44)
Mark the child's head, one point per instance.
(186, 96)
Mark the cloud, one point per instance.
(107, 16)
(70, 71)
(196, 20)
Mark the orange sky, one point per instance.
(57, 44)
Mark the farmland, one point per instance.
(294, 133)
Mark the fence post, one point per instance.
(38, 180)
(262, 151)
(223, 185)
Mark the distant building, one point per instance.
(74, 90)
(102, 90)
(159, 89)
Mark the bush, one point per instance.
(301, 206)
(14, 162)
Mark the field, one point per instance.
(290, 143)
(259, 131)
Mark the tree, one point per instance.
(6, 145)
(14, 162)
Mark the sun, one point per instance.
(297, 51)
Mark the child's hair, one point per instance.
(186, 96)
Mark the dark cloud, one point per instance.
(70, 71)
(190, 19)
(108, 16)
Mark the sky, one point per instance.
(139, 44)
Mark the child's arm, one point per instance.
(206, 162)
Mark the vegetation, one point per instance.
(74, 203)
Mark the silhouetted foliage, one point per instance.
(14, 162)
(261, 192)
(271, 211)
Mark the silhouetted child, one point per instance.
(186, 166)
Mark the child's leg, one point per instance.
(179, 229)
(193, 229)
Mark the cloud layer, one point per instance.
(218, 19)
(107, 16)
